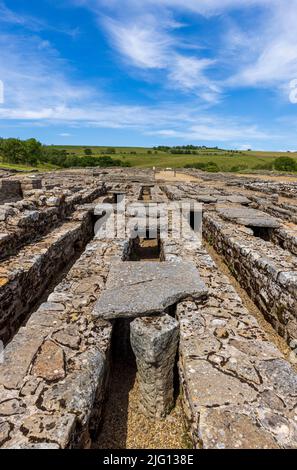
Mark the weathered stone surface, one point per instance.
(266, 271)
(49, 363)
(49, 428)
(11, 407)
(21, 443)
(226, 429)
(5, 429)
(236, 199)
(69, 338)
(281, 376)
(147, 288)
(206, 199)
(237, 389)
(248, 217)
(154, 342)
(77, 393)
(16, 364)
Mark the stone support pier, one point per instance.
(154, 341)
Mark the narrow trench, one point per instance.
(145, 194)
(58, 277)
(123, 425)
(145, 249)
(264, 233)
(270, 235)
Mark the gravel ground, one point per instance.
(124, 427)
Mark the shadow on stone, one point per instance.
(113, 432)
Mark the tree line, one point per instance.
(32, 152)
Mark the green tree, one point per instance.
(285, 164)
(13, 150)
(33, 151)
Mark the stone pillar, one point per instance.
(154, 341)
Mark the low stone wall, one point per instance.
(286, 238)
(57, 403)
(31, 219)
(283, 211)
(237, 389)
(23, 278)
(265, 271)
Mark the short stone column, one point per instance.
(154, 341)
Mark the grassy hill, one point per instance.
(146, 157)
(226, 160)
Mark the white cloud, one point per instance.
(243, 147)
(263, 54)
(270, 54)
(40, 89)
(140, 42)
(215, 130)
(147, 43)
(35, 76)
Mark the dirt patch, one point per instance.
(176, 177)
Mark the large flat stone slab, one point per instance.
(136, 289)
(248, 217)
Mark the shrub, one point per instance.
(285, 164)
(264, 166)
(236, 169)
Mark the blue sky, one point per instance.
(150, 72)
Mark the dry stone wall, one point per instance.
(268, 273)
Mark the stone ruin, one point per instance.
(210, 318)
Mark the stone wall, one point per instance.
(55, 370)
(29, 219)
(238, 391)
(268, 273)
(63, 395)
(24, 277)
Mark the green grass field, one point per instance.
(242, 161)
(43, 167)
(147, 158)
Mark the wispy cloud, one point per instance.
(268, 51)
(144, 33)
(149, 41)
(35, 76)
(32, 23)
(146, 40)
(215, 129)
(141, 43)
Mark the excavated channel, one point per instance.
(123, 425)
